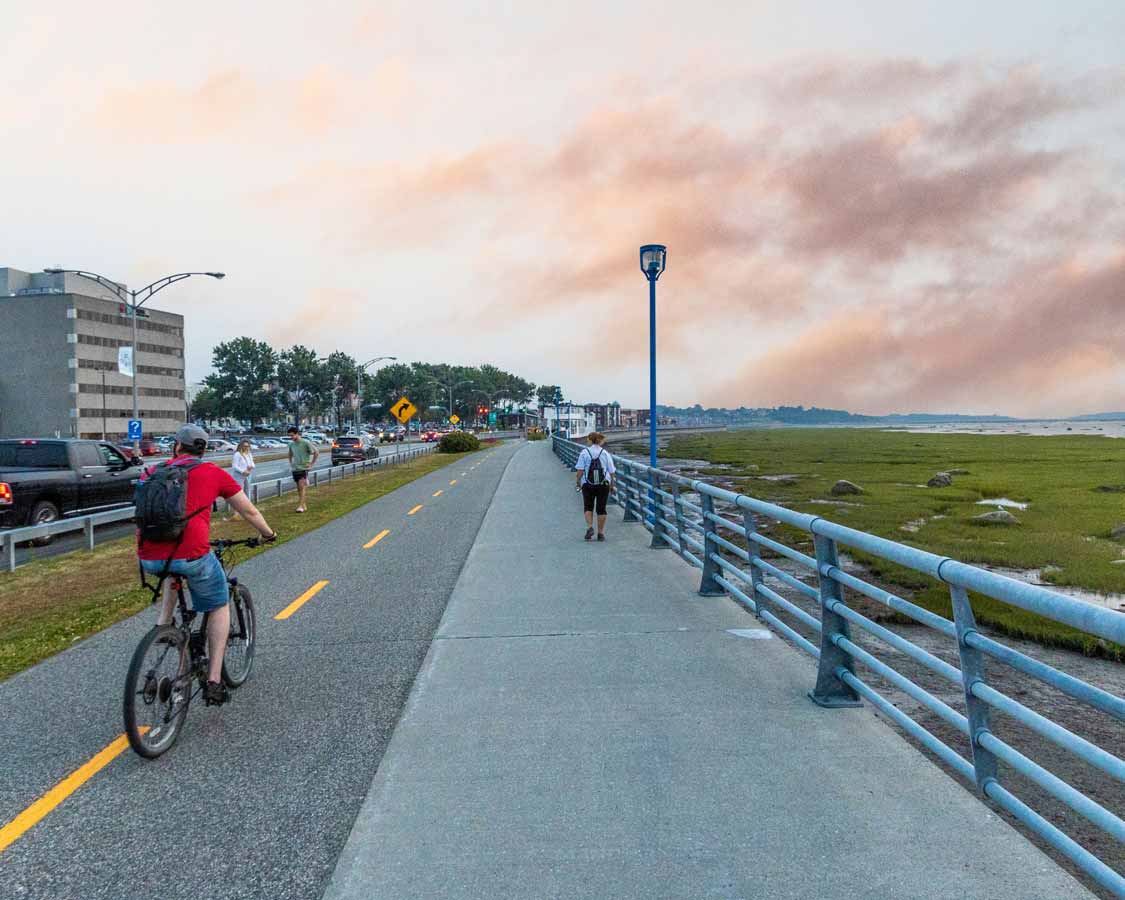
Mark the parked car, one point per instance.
(44, 480)
(353, 448)
(317, 437)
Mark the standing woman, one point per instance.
(595, 475)
(242, 464)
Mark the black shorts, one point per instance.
(300, 475)
(591, 493)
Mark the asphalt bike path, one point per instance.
(257, 797)
(598, 729)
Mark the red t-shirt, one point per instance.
(204, 483)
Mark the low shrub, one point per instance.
(536, 436)
(458, 442)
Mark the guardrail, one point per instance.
(273, 488)
(701, 536)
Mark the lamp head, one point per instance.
(219, 275)
(54, 271)
(653, 259)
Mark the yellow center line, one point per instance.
(416, 508)
(371, 543)
(437, 493)
(302, 600)
(453, 482)
(11, 832)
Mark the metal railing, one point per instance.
(702, 537)
(260, 489)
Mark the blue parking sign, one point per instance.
(135, 430)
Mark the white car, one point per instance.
(316, 437)
(218, 445)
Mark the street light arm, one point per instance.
(162, 283)
(121, 292)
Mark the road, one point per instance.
(265, 471)
(258, 797)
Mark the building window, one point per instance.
(120, 319)
(97, 413)
(96, 388)
(108, 365)
(99, 341)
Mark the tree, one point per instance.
(304, 380)
(546, 394)
(204, 406)
(239, 385)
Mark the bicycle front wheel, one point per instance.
(157, 691)
(239, 658)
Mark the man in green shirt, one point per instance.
(302, 457)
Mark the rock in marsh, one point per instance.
(958, 471)
(1118, 533)
(998, 517)
(941, 479)
(846, 487)
(1110, 489)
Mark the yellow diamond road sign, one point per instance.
(403, 410)
(453, 420)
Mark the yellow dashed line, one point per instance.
(302, 600)
(453, 482)
(416, 508)
(437, 493)
(11, 832)
(371, 543)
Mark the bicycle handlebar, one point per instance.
(245, 542)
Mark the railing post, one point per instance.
(10, 552)
(830, 691)
(658, 541)
(88, 530)
(708, 586)
(628, 480)
(749, 527)
(678, 508)
(972, 672)
(277, 484)
(254, 493)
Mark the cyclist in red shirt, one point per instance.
(191, 557)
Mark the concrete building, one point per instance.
(59, 336)
(606, 415)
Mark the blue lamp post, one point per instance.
(653, 259)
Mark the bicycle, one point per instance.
(170, 658)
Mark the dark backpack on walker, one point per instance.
(160, 503)
(595, 474)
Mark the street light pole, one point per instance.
(653, 260)
(130, 299)
(359, 377)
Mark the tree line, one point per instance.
(253, 382)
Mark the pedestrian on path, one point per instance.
(241, 465)
(595, 476)
(302, 456)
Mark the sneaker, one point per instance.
(215, 693)
(589, 534)
(601, 537)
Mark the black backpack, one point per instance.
(595, 474)
(160, 502)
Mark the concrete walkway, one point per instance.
(586, 725)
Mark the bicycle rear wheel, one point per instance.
(239, 658)
(157, 691)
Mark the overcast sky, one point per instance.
(882, 206)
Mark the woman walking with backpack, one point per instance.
(595, 475)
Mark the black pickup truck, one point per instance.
(44, 479)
